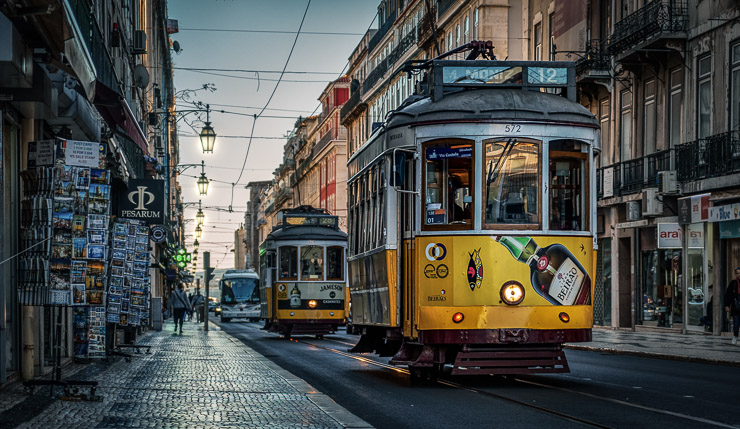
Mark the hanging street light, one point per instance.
(207, 135)
(200, 217)
(203, 180)
(198, 232)
(195, 246)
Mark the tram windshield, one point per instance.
(511, 185)
(448, 190)
(238, 291)
(312, 263)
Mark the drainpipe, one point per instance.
(28, 344)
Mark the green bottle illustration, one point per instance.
(556, 273)
(295, 297)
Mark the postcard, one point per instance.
(99, 176)
(99, 191)
(95, 251)
(97, 206)
(97, 236)
(61, 251)
(78, 224)
(78, 294)
(79, 248)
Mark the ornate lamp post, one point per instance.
(207, 135)
(203, 180)
(200, 217)
(198, 232)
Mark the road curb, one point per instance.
(653, 355)
(324, 403)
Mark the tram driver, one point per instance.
(459, 200)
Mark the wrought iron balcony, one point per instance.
(656, 17)
(375, 75)
(325, 139)
(714, 156)
(425, 30)
(95, 42)
(634, 175)
(596, 58)
(382, 31)
(350, 105)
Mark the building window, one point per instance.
(704, 98)
(625, 136)
(604, 122)
(735, 87)
(449, 41)
(551, 35)
(467, 29)
(457, 34)
(538, 42)
(675, 106)
(475, 23)
(648, 137)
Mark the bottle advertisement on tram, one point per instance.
(505, 270)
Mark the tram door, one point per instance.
(406, 213)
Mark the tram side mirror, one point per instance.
(398, 178)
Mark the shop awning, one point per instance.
(117, 113)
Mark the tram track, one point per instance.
(316, 343)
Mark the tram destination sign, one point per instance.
(498, 75)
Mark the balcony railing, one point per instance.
(425, 30)
(379, 71)
(95, 42)
(655, 17)
(634, 175)
(382, 31)
(349, 106)
(325, 139)
(596, 58)
(375, 75)
(714, 156)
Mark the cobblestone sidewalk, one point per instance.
(198, 380)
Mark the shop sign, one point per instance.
(693, 209)
(695, 236)
(729, 229)
(45, 152)
(144, 200)
(669, 236)
(724, 213)
(84, 154)
(608, 185)
(158, 234)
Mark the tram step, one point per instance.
(511, 360)
(311, 329)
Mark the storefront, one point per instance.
(661, 297)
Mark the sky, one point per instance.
(265, 33)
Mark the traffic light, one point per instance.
(209, 274)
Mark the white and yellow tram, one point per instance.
(303, 287)
(472, 219)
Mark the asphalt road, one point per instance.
(602, 390)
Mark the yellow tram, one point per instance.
(303, 287)
(472, 219)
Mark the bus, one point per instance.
(240, 295)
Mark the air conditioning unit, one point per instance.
(633, 211)
(667, 183)
(139, 46)
(651, 206)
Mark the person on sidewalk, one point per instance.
(180, 304)
(732, 303)
(198, 301)
(190, 313)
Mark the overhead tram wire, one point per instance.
(285, 67)
(228, 30)
(249, 70)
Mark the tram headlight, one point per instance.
(312, 303)
(512, 292)
(458, 317)
(564, 317)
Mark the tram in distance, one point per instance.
(472, 216)
(302, 274)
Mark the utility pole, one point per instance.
(206, 279)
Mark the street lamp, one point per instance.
(198, 232)
(199, 217)
(207, 135)
(203, 180)
(195, 246)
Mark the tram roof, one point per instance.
(306, 232)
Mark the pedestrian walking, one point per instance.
(180, 305)
(198, 302)
(732, 304)
(190, 313)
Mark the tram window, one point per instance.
(335, 263)
(288, 263)
(511, 185)
(568, 196)
(448, 184)
(312, 263)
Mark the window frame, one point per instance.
(650, 107)
(447, 226)
(701, 80)
(326, 270)
(540, 182)
(281, 249)
(537, 42)
(676, 88)
(625, 111)
(323, 263)
(585, 186)
(734, 110)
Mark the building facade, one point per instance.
(80, 70)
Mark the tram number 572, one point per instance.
(512, 128)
